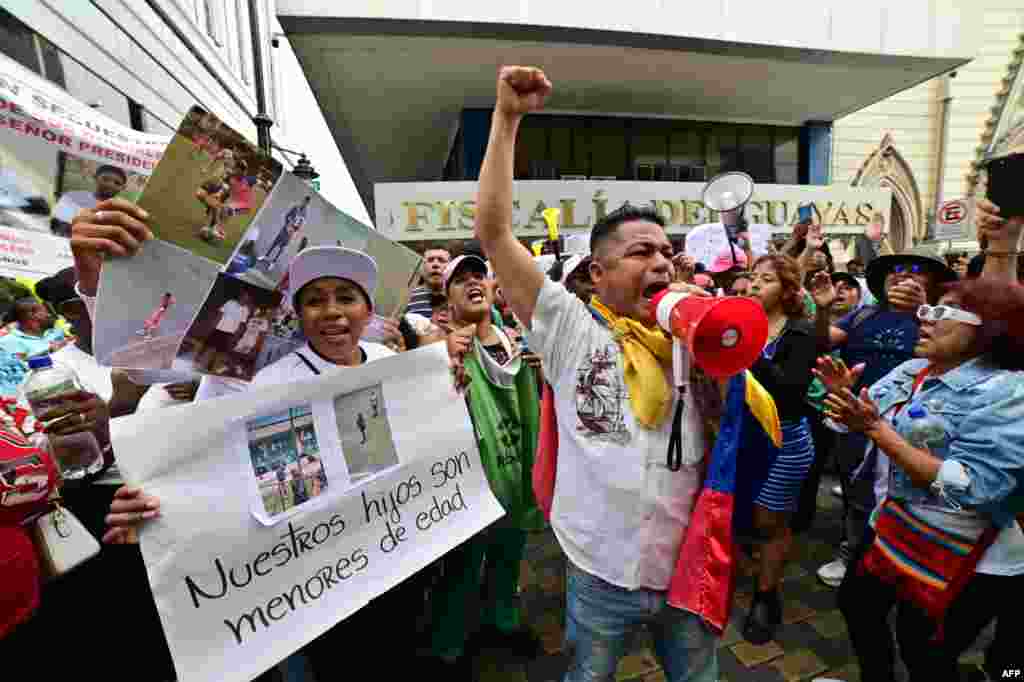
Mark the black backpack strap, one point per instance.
(312, 367)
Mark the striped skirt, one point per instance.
(781, 490)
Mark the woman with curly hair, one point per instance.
(784, 370)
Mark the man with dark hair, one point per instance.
(431, 274)
(621, 527)
(503, 403)
(848, 295)
(110, 181)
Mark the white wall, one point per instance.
(974, 89)
(931, 28)
(126, 43)
(912, 116)
(304, 129)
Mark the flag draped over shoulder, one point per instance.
(704, 578)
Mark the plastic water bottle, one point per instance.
(925, 430)
(50, 386)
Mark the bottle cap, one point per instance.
(39, 362)
(916, 412)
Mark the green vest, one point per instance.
(506, 420)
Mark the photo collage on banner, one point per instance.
(209, 294)
(58, 156)
(247, 321)
(208, 187)
(293, 454)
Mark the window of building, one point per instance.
(756, 152)
(609, 154)
(84, 86)
(552, 147)
(787, 156)
(17, 41)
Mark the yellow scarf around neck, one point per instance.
(644, 349)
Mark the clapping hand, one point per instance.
(835, 375)
(858, 414)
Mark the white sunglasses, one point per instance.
(935, 313)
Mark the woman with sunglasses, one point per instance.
(946, 438)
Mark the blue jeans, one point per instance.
(601, 620)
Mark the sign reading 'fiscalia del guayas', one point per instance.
(446, 210)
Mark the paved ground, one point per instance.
(812, 641)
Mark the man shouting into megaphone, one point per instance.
(619, 511)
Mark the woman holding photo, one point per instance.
(331, 289)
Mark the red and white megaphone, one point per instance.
(724, 335)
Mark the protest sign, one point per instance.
(955, 219)
(218, 205)
(260, 325)
(246, 569)
(707, 242)
(32, 254)
(208, 187)
(58, 156)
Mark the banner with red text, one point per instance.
(58, 156)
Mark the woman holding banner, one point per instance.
(331, 290)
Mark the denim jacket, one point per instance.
(981, 408)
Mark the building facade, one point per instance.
(925, 143)
(665, 93)
(144, 64)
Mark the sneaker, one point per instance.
(832, 573)
(837, 490)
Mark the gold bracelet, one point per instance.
(1001, 254)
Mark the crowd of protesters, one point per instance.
(900, 373)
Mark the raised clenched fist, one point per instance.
(521, 90)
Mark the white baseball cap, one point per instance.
(332, 261)
(465, 261)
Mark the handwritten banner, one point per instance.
(58, 156)
(247, 567)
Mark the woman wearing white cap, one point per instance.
(332, 293)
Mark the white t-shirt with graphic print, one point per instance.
(618, 512)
